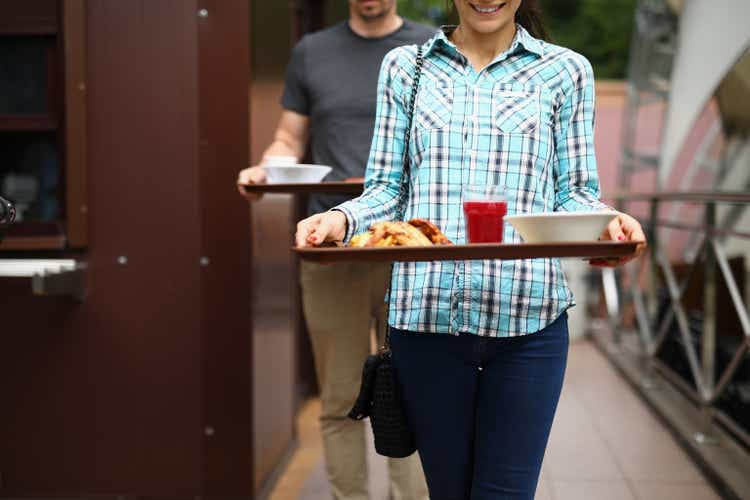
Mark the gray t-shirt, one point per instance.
(332, 77)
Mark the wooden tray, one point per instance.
(318, 187)
(476, 251)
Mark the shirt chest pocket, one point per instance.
(434, 105)
(517, 109)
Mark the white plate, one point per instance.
(296, 174)
(557, 227)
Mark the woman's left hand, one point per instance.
(622, 228)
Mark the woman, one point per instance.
(497, 105)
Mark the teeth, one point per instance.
(486, 10)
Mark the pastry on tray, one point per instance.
(416, 232)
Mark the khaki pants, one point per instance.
(339, 302)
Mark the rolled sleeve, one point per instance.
(577, 180)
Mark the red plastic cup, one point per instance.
(484, 210)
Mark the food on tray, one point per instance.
(416, 232)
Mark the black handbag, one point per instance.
(379, 396)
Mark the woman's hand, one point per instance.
(622, 228)
(321, 228)
(252, 175)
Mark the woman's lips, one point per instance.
(486, 10)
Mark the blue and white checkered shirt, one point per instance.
(525, 122)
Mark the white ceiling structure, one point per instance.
(713, 36)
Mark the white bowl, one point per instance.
(296, 174)
(558, 227)
(280, 160)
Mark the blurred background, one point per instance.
(152, 339)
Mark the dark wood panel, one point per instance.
(108, 395)
(225, 241)
(143, 122)
(76, 159)
(37, 17)
(52, 242)
(28, 123)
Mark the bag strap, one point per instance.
(403, 194)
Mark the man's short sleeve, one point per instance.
(296, 95)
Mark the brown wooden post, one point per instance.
(224, 75)
(144, 389)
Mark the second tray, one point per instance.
(318, 187)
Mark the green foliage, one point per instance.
(598, 29)
(432, 12)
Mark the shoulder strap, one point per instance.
(403, 195)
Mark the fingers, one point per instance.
(615, 230)
(305, 229)
(321, 228)
(258, 175)
(249, 176)
(623, 228)
(320, 233)
(252, 175)
(634, 233)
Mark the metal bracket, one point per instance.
(69, 283)
(49, 277)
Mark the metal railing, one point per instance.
(654, 324)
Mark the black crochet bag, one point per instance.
(379, 397)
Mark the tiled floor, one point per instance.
(605, 445)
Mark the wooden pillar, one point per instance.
(144, 389)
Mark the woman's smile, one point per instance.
(487, 10)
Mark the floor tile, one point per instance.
(543, 491)
(648, 490)
(575, 449)
(591, 490)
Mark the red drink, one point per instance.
(484, 220)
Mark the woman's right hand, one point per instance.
(252, 175)
(321, 228)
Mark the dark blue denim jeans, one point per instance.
(481, 408)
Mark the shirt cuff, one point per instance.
(573, 205)
(351, 222)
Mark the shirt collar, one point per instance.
(523, 39)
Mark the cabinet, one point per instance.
(42, 123)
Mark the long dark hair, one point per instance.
(529, 16)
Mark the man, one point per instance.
(329, 100)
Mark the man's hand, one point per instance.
(250, 176)
(290, 139)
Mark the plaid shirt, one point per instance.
(525, 122)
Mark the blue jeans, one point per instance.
(481, 408)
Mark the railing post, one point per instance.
(653, 266)
(708, 334)
(708, 338)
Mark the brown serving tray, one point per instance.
(318, 187)
(476, 251)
